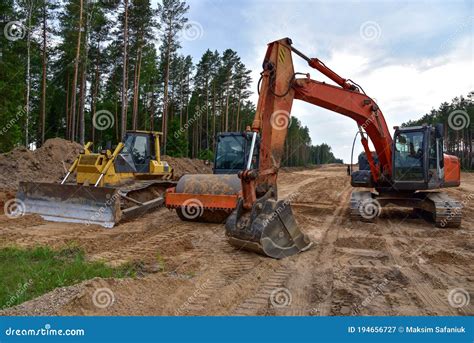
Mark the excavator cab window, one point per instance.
(409, 156)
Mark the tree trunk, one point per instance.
(152, 110)
(76, 72)
(117, 134)
(43, 81)
(207, 114)
(28, 75)
(238, 113)
(68, 118)
(136, 86)
(82, 122)
(213, 113)
(94, 97)
(164, 123)
(124, 74)
(227, 112)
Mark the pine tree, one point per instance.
(172, 18)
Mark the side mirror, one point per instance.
(439, 130)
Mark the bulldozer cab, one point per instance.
(138, 152)
(232, 152)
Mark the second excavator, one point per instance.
(405, 171)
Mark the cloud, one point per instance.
(421, 57)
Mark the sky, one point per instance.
(410, 56)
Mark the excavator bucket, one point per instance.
(71, 203)
(269, 229)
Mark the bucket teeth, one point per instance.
(269, 229)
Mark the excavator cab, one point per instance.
(418, 158)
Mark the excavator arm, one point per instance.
(279, 87)
(261, 222)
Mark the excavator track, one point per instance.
(443, 210)
(364, 207)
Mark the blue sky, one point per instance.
(408, 55)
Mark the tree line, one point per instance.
(88, 70)
(457, 117)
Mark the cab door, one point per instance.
(410, 159)
(141, 152)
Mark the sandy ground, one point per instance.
(400, 265)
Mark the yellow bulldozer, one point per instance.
(110, 186)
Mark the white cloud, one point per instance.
(403, 89)
(422, 57)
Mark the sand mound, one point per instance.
(48, 163)
(183, 165)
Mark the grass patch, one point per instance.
(161, 262)
(28, 273)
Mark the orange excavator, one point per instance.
(403, 171)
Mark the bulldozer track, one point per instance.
(261, 301)
(331, 234)
(431, 301)
(236, 266)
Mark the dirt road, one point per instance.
(400, 265)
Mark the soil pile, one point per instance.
(46, 164)
(50, 163)
(184, 165)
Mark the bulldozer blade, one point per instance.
(269, 229)
(71, 203)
